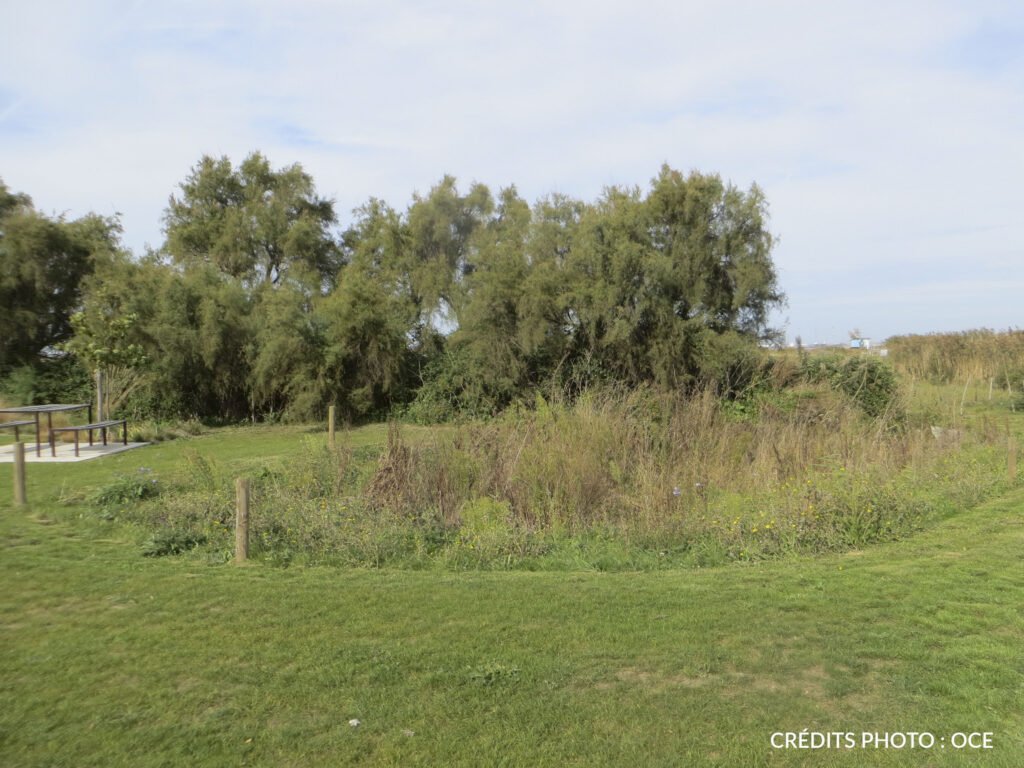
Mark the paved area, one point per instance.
(65, 452)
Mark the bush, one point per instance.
(452, 391)
(54, 380)
(485, 531)
(868, 381)
(733, 365)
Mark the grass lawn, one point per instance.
(108, 658)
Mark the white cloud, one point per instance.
(886, 136)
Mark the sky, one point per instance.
(888, 136)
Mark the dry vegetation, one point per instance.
(617, 479)
(979, 356)
(804, 471)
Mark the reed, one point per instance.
(977, 356)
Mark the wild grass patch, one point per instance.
(612, 481)
(980, 356)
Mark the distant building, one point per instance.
(860, 343)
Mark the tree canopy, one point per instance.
(256, 307)
(253, 223)
(43, 261)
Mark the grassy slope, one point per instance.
(108, 658)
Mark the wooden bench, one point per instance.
(102, 426)
(16, 426)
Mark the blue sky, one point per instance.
(888, 137)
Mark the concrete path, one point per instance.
(65, 452)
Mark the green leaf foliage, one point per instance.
(253, 223)
(43, 261)
(869, 381)
(464, 302)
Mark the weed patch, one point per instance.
(172, 543)
(494, 673)
(612, 481)
(127, 489)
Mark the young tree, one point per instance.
(548, 317)
(718, 250)
(107, 340)
(202, 329)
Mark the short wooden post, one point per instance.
(963, 397)
(241, 519)
(20, 497)
(1011, 461)
(330, 426)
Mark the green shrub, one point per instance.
(868, 381)
(616, 480)
(54, 380)
(485, 532)
(455, 388)
(733, 365)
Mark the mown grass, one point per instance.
(111, 658)
(108, 658)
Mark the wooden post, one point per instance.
(241, 519)
(1011, 462)
(330, 426)
(20, 498)
(99, 395)
(963, 397)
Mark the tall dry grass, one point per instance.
(804, 471)
(977, 355)
(616, 479)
